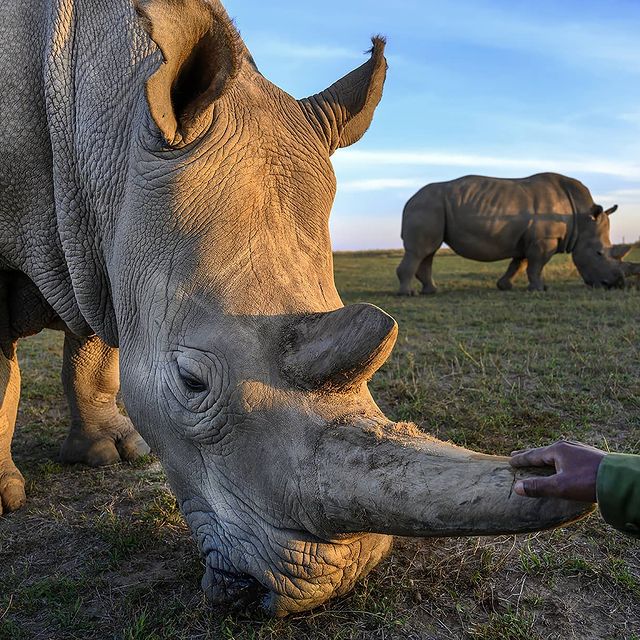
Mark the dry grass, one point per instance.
(104, 554)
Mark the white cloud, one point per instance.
(355, 233)
(619, 195)
(577, 41)
(354, 158)
(381, 184)
(296, 51)
(631, 118)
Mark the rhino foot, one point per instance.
(104, 447)
(12, 494)
(407, 293)
(505, 285)
(428, 291)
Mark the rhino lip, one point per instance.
(236, 590)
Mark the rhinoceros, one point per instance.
(167, 207)
(528, 220)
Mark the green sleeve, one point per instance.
(618, 492)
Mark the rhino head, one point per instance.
(593, 253)
(239, 364)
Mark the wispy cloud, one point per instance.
(573, 39)
(297, 51)
(632, 117)
(622, 196)
(352, 158)
(381, 184)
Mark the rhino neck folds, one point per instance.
(571, 239)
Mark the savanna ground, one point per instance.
(105, 554)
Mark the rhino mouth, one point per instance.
(298, 576)
(281, 570)
(617, 283)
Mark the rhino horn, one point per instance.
(343, 112)
(340, 349)
(202, 54)
(393, 479)
(619, 251)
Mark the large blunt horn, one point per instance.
(338, 350)
(619, 251)
(393, 479)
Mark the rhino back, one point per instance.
(495, 218)
(76, 71)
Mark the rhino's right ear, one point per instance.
(343, 112)
(596, 211)
(202, 54)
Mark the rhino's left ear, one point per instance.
(596, 211)
(612, 210)
(202, 53)
(343, 112)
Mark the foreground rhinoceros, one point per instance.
(167, 200)
(528, 220)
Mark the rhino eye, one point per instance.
(192, 383)
(192, 375)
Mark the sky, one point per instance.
(502, 88)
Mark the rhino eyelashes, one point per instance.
(192, 382)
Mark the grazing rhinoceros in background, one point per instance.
(528, 220)
(160, 196)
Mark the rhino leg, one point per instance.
(12, 495)
(515, 268)
(425, 276)
(100, 434)
(537, 257)
(406, 271)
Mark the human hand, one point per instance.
(576, 468)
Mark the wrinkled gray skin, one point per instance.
(178, 211)
(528, 220)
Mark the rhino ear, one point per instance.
(202, 53)
(612, 210)
(343, 112)
(596, 211)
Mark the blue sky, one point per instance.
(489, 87)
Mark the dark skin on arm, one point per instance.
(576, 468)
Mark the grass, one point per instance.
(105, 553)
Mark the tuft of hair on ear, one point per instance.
(596, 211)
(378, 44)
